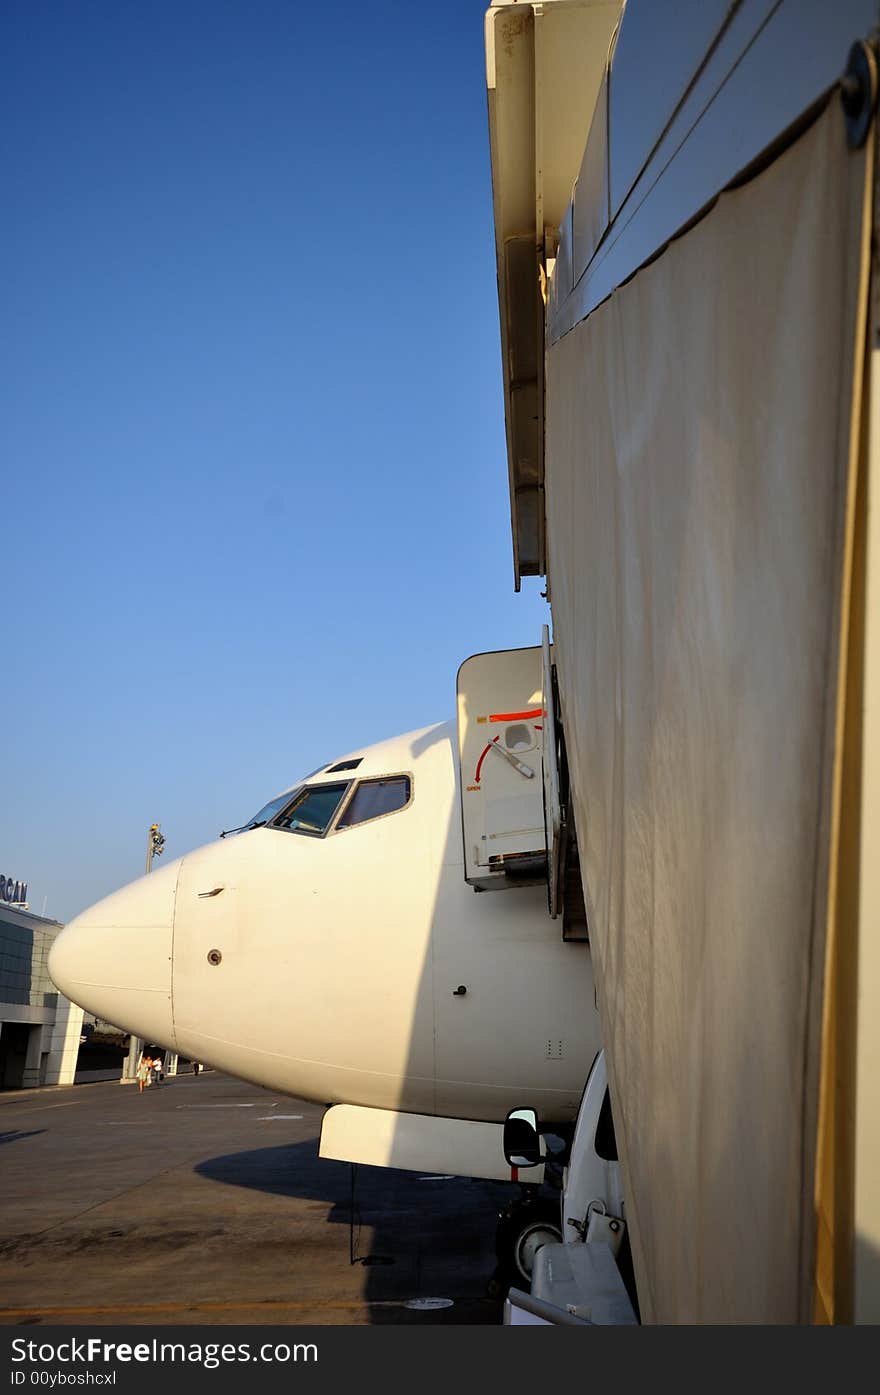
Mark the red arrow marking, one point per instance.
(483, 757)
(516, 716)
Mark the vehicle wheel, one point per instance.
(522, 1229)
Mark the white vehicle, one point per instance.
(686, 231)
(587, 1278)
(333, 948)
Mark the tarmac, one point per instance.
(203, 1201)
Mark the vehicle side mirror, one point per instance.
(522, 1142)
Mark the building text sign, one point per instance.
(11, 891)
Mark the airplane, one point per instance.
(332, 949)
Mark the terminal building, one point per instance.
(40, 1029)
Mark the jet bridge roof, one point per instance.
(545, 65)
(607, 139)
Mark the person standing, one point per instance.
(196, 1067)
(143, 1074)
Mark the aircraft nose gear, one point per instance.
(523, 1227)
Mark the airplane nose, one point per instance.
(115, 959)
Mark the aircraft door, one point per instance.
(500, 741)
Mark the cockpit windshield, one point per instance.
(263, 815)
(313, 809)
(269, 810)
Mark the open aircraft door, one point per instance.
(516, 819)
(500, 746)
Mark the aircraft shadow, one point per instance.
(415, 1235)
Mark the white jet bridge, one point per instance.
(685, 206)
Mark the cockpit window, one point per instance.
(269, 810)
(313, 809)
(374, 798)
(263, 815)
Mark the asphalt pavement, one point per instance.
(203, 1200)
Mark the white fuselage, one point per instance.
(340, 957)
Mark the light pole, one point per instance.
(155, 847)
(155, 844)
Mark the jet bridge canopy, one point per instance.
(545, 65)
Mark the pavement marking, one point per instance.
(440, 1177)
(243, 1305)
(215, 1106)
(264, 1118)
(13, 1097)
(41, 1108)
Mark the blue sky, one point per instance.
(254, 479)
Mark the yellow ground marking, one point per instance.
(244, 1304)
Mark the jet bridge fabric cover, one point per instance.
(697, 485)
